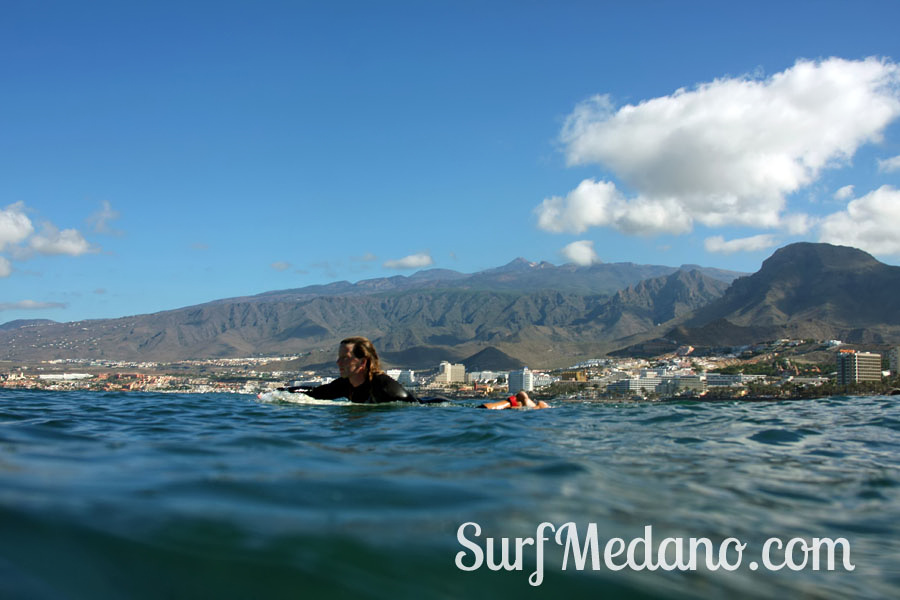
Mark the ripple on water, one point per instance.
(888, 422)
(669, 418)
(560, 469)
(229, 472)
(777, 437)
(688, 440)
(828, 453)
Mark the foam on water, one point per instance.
(298, 398)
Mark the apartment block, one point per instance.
(854, 366)
(521, 380)
(451, 373)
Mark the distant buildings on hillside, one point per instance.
(665, 376)
(450, 374)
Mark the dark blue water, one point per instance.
(222, 496)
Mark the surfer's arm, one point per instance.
(387, 389)
(330, 391)
(498, 405)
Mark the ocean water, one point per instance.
(139, 495)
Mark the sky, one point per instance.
(156, 155)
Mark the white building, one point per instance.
(482, 376)
(64, 376)
(731, 379)
(642, 384)
(655, 372)
(451, 373)
(521, 380)
(542, 380)
(680, 383)
(402, 377)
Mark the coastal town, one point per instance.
(779, 369)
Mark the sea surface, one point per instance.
(141, 495)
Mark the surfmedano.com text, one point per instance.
(638, 554)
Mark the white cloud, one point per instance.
(727, 152)
(100, 220)
(718, 244)
(52, 241)
(869, 223)
(588, 205)
(581, 253)
(280, 265)
(797, 223)
(845, 193)
(18, 238)
(15, 226)
(599, 204)
(889, 165)
(413, 261)
(30, 305)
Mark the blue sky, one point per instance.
(155, 155)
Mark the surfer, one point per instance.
(520, 400)
(362, 380)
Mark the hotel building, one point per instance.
(521, 380)
(451, 373)
(853, 367)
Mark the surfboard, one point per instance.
(299, 398)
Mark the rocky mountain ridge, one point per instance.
(535, 313)
(805, 290)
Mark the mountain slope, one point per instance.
(10, 325)
(519, 275)
(804, 290)
(536, 314)
(455, 321)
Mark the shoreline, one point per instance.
(559, 400)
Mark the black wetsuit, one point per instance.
(382, 388)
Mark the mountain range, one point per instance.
(529, 313)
